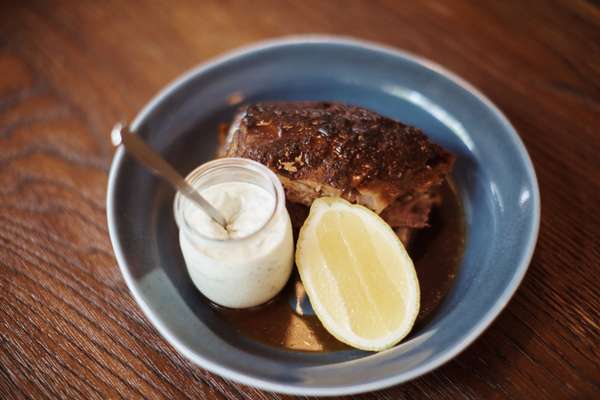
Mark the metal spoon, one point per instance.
(121, 135)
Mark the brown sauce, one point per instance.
(436, 252)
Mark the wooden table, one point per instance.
(68, 70)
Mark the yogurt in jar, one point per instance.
(250, 261)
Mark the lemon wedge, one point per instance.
(359, 278)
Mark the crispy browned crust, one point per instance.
(323, 148)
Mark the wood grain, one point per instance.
(68, 70)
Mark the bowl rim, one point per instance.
(297, 388)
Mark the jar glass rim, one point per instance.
(219, 165)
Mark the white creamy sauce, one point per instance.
(245, 206)
(248, 263)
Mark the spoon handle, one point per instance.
(144, 154)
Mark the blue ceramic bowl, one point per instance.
(494, 174)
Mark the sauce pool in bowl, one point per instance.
(287, 321)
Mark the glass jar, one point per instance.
(243, 271)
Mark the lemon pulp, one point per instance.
(357, 274)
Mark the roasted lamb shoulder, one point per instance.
(330, 149)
